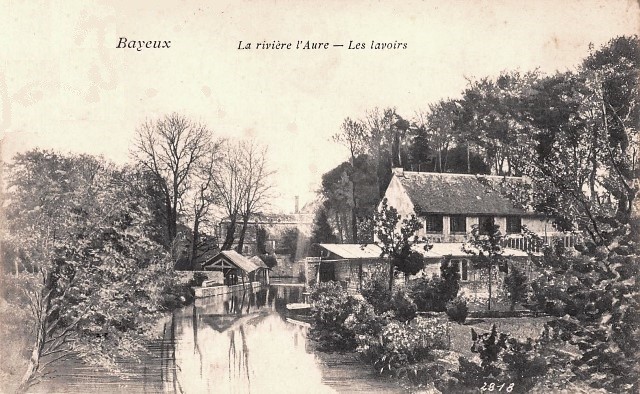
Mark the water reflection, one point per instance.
(236, 343)
(240, 343)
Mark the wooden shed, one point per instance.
(238, 269)
(348, 263)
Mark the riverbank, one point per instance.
(362, 377)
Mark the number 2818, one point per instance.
(496, 387)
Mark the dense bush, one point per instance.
(365, 322)
(516, 286)
(457, 309)
(377, 293)
(176, 295)
(197, 279)
(331, 307)
(402, 344)
(520, 364)
(432, 294)
(398, 304)
(402, 306)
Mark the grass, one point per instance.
(517, 327)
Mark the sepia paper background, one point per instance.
(65, 85)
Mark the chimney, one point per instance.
(297, 203)
(398, 171)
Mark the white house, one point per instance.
(450, 204)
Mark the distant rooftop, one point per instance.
(353, 251)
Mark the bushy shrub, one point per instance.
(402, 306)
(377, 293)
(402, 344)
(457, 309)
(398, 304)
(502, 360)
(516, 286)
(197, 279)
(427, 294)
(331, 306)
(432, 294)
(176, 295)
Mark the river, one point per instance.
(241, 342)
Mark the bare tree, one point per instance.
(171, 148)
(202, 197)
(256, 173)
(242, 187)
(228, 189)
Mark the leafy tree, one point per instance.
(95, 279)
(489, 119)
(352, 136)
(378, 125)
(585, 175)
(516, 285)
(295, 243)
(485, 242)
(435, 127)
(338, 188)
(261, 240)
(396, 236)
(322, 231)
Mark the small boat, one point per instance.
(299, 307)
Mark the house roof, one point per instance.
(258, 262)
(353, 251)
(236, 259)
(454, 249)
(459, 193)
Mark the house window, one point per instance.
(464, 270)
(433, 223)
(458, 223)
(514, 224)
(463, 266)
(485, 223)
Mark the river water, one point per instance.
(242, 342)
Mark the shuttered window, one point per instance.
(433, 223)
(458, 223)
(514, 224)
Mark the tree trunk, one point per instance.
(194, 242)
(34, 361)
(391, 272)
(230, 236)
(468, 160)
(170, 231)
(339, 225)
(489, 305)
(243, 231)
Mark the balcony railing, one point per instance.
(517, 241)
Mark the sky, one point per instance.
(64, 85)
